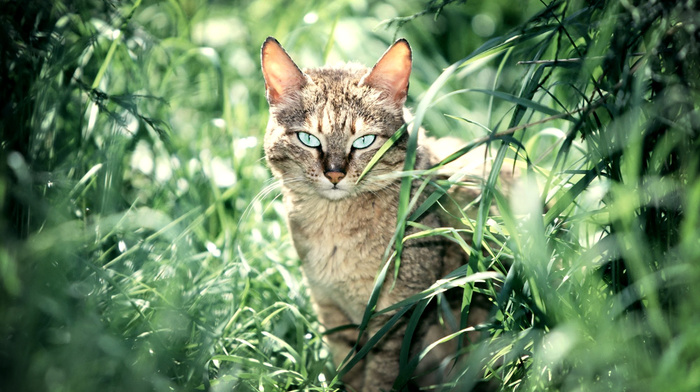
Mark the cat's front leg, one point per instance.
(382, 363)
(340, 342)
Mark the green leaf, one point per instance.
(382, 150)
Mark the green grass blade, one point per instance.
(382, 150)
(572, 193)
(522, 102)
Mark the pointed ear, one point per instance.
(391, 72)
(282, 76)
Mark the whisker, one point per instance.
(261, 195)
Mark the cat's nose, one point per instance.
(334, 176)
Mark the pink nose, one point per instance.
(334, 176)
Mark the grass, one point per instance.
(144, 245)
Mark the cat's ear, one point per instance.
(391, 72)
(282, 76)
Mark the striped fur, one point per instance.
(341, 231)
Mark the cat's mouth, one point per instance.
(334, 191)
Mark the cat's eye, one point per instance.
(363, 141)
(308, 139)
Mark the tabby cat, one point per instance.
(325, 125)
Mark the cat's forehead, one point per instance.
(340, 86)
(337, 72)
(337, 96)
(336, 81)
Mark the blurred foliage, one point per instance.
(142, 245)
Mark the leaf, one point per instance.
(382, 150)
(565, 200)
(523, 102)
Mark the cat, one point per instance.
(325, 126)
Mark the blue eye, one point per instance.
(308, 139)
(363, 141)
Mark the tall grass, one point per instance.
(600, 289)
(143, 244)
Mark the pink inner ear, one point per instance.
(392, 71)
(281, 75)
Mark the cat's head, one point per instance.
(327, 123)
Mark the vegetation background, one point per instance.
(143, 248)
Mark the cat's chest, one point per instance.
(341, 244)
